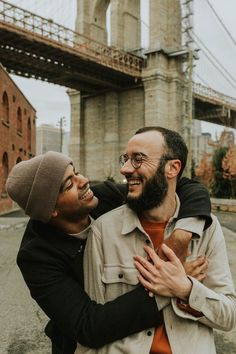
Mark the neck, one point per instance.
(162, 213)
(73, 227)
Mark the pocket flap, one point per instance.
(119, 274)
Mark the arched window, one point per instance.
(29, 134)
(18, 160)
(5, 103)
(19, 120)
(5, 170)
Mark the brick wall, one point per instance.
(17, 131)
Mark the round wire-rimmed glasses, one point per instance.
(138, 158)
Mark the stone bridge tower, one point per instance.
(101, 124)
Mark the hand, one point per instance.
(197, 268)
(178, 241)
(166, 278)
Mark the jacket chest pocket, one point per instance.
(118, 279)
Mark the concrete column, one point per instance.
(76, 145)
(125, 24)
(162, 79)
(111, 137)
(94, 110)
(165, 24)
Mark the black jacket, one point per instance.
(52, 266)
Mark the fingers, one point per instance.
(197, 268)
(168, 253)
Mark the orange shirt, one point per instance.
(155, 230)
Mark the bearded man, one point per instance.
(153, 163)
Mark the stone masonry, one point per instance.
(101, 124)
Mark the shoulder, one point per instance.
(112, 217)
(214, 232)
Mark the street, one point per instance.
(22, 322)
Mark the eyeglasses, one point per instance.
(138, 158)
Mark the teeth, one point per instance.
(134, 182)
(85, 194)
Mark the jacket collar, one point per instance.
(131, 220)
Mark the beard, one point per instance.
(153, 193)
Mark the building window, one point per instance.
(19, 120)
(5, 170)
(18, 160)
(29, 134)
(5, 104)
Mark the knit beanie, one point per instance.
(35, 184)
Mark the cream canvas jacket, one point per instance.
(109, 272)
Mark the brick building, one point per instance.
(17, 131)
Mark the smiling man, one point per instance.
(152, 165)
(60, 203)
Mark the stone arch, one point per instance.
(5, 171)
(98, 20)
(125, 28)
(5, 103)
(19, 120)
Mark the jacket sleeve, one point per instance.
(65, 302)
(194, 200)
(215, 297)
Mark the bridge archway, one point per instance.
(124, 18)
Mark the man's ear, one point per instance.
(172, 168)
(54, 213)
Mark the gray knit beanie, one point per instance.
(35, 184)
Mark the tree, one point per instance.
(229, 168)
(221, 187)
(204, 172)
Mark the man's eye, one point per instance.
(138, 158)
(68, 185)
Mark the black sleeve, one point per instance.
(110, 196)
(64, 301)
(195, 200)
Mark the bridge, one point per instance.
(35, 47)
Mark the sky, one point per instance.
(52, 102)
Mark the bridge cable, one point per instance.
(222, 70)
(214, 57)
(221, 22)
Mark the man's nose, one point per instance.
(127, 167)
(81, 180)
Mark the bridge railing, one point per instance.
(83, 45)
(214, 95)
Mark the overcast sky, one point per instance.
(51, 101)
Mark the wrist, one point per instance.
(185, 290)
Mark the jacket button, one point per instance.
(120, 275)
(149, 333)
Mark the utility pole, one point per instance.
(61, 122)
(187, 22)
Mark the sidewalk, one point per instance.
(22, 322)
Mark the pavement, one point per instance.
(22, 322)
